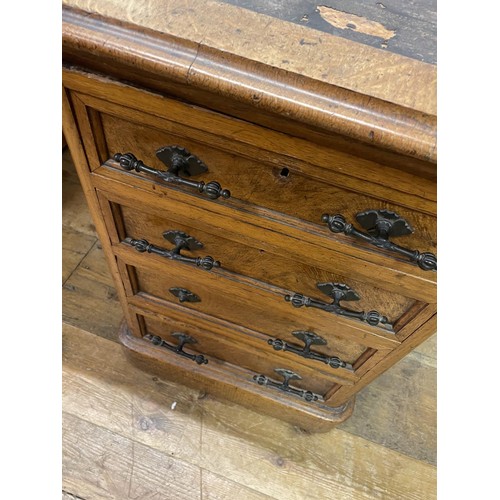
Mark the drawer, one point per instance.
(219, 346)
(258, 263)
(285, 189)
(296, 186)
(242, 261)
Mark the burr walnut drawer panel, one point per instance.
(298, 185)
(222, 346)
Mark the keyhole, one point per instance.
(284, 172)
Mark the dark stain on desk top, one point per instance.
(405, 27)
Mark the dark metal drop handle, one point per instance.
(373, 318)
(285, 387)
(381, 225)
(181, 241)
(178, 349)
(338, 292)
(180, 160)
(309, 338)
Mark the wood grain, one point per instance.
(264, 361)
(99, 463)
(425, 225)
(114, 45)
(245, 303)
(75, 245)
(255, 262)
(278, 44)
(87, 294)
(308, 472)
(91, 285)
(174, 316)
(216, 487)
(102, 464)
(427, 352)
(74, 205)
(254, 175)
(362, 117)
(118, 102)
(71, 132)
(421, 334)
(237, 307)
(112, 394)
(252, 295)
(407, 403)
(272, 121)
(86, 278)
(245, 297)
(236, 384)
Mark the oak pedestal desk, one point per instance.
(265, 195)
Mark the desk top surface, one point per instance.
(405, 27)
(379, 54)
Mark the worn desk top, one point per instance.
(406, 27)
(316, 62)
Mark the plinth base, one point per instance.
(233, 383)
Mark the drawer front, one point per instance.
(258, 263)
(282, 187)
(297, 186)
(289, 275)
(218, 348)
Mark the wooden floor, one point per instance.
(128, 435)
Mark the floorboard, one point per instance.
(99, 463)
